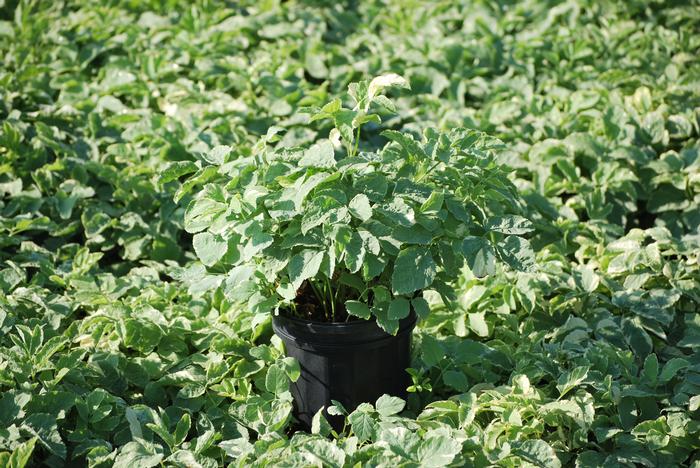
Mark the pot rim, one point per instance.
(314, 335)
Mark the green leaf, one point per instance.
(134, 424)
(303, 266)
(337, 409)
(218, 154)
(201, 213)
(319, 155)
(360, 207)
(138, 453)
(628, 412)
(456, 380)
(589, 279)
(387, 80)
(373, 185)
(380, 83)
(399, 308)
(362, 424)
(183, 458)
(140, 335)
(324, 453)
(182, 428)
(332, 107)
(161, 427)
(479, 255)
(637, 338)
(671, 368)
(539, 453)
(11, 405)
(651, 368)
(407, 142)
(20, 455)
(44, 427)
(94, 222)
(511, 224)
(431, 350)
(384, 102)
(258, 241)
(388, 405)
(517, 253)
(477, 323)
(694, 403)
(413, 235)
(358, 309)
(569, 380)
(319, 424)
(653, 432)
(236, 448)
(381, 312)
(200, 177)
(209, 248)
(421, 307)
(354, 252)
(691, 337)
(291, 368)
(175, 170)
(401, 441)
(414, 270)
(437, 451)
(276, 380)
(433, 204)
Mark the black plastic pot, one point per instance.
(351, 362)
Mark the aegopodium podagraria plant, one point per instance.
(329, 233)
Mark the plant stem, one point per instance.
(319, 298)
(337, 292)
(430, 169)
(330, 296)
(357, 141)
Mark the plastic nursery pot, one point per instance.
(352, 363)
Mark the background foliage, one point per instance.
(118, 347)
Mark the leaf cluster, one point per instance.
(375, 227)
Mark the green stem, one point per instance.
(319, 297)
(430, 169)
(330, 296)
(357, 141)
(337, 292)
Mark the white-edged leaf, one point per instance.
(510, 224)
(378, 84)
(363, 426)
(210, 248)
(437, 451)
(218, 154)
(303, 266)
(320, 154)
(569, 380)
(360, 207)
(319, 423)
(388, 405)
(358, 309)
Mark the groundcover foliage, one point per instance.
(122, 341)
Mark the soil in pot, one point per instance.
(307, 304)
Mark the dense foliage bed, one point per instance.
(118, 346)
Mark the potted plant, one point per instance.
(339, 245)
